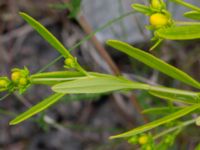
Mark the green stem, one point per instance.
(5, 96)
(181, 2)
(81, 69)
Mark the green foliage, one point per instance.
(50, 38)
(186, 32)
(142, 9)
(184, 96)
(80, 81)
(37, 108)
(195, 15)
(153, 62)
(51, 78)
(94, 84)
(158, 122)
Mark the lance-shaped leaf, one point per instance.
(160, 110)
(50, 38)
(184, 97)
(154, 62)
(142, 9)
(51, 78)
(158, 122)
(97, 84)
(37, 108)
(173, 94)
(186, 32)
(192, 15)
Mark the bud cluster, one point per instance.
(160, 16)
(19, 80)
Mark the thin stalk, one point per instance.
(5, 96)
(174, 128)
(121, 23)
(109, 23)
(81, 69)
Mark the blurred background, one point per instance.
(84, 122)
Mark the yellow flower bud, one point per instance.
(156, 4)
(23, 81)
(70, 62)
(143, 139)
(3, 83)
(159, 20)
(15, 76)
(148, 148)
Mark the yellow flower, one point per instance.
(15, 76)
(158, 20)
(143, 139)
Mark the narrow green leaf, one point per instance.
(154, 62)
(186, 4)
(160, 110)
(37, 108)
(50, 38)
(97, 85)
(195, 15)
(57, 74)
(158, 122)
(54, 77)
(142, 9)
(189, 98)
(185, 32)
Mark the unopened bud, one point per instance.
(143, 139)
(158, 20)
(70, 63)
(15, 76)
(156, 4)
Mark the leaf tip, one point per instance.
(12, 122)
(108, 42)
(114, 137)
(22, 13)
(133, 6)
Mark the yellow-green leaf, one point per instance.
(50, 38)
(184, 97)
(97, 84)
(186, 32)
(154, 62)
(51, 78)
(37, 108)
(195, 15)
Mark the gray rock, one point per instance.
(98, 12)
